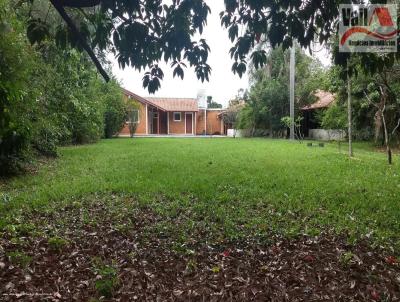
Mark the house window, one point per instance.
(134, 116)
(177, 117)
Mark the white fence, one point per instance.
(234, 133)
(327, 135)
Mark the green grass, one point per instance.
(239, 186)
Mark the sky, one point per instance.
(223, 84)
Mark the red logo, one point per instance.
(368, 28)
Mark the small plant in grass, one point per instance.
(17, 241)
(347, 258)
(57, 243)
(124, 228)
(23, 229)
(191, 266)
(19, 258)
(106, 278)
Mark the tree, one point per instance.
(334, 117)
(49, 96)
(139, 33)
(288, 123)
(231, 117)
(212, 104)
(142, 33)
(382, 92)
(269, 95)
(17, 105)
(115, 108)
(132, 112)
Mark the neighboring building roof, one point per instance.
(324, 100)
(175, 104)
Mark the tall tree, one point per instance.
(269, 95)
(212, 104)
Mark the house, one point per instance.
(173, 116)
(311, 126)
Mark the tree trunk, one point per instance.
(349, 114)
(378, 125)
(388, 150)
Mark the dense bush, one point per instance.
(16, 102)
(115, 109)
(48, 97)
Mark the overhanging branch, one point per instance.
(78, 3)
(60, 9)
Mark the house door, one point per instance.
(189, 123)
(155, 123)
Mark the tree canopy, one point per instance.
(142, 34)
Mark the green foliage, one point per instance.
(346, 258)
(212, 104)
(143, 33)
(269, 96)
(334, 117)
(140, 33)
(279, 22)
(48, 96)
(254, 187)
(115, 109)
(107, 281)
(57, 243)
(287, 122)
(17, 101)
(371, 94)
(132, 113)
(19, 258)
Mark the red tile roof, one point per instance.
(324, 100)
(138, 98)
(166, 104)
(175, 104)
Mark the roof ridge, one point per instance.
(167, 97)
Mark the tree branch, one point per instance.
(75, 31)
(397, 126)
(78, 3)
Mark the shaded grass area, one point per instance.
(112, 248)
(237, 187)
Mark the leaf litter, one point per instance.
(121, 245)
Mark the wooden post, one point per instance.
(349, 112)
(292, 84)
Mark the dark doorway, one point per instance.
(189, 123)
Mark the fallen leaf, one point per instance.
(309, 258)
(375, 295)
(391, 260)
(215, 269)
(226, 253)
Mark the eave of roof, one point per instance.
(141, 99)
(324, 100)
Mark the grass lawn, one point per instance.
(246, 185)
(203, 192)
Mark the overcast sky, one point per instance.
(223, 84)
